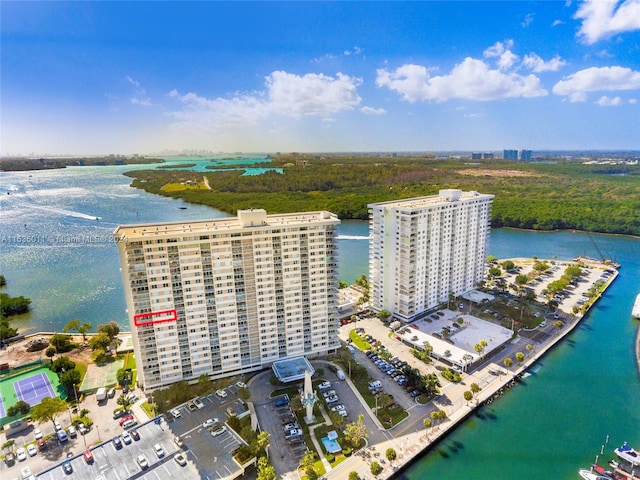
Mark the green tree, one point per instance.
(519, 357)
(3, 281)
(21, 407)
(475, 388)
(508, 265)
(508, 362)
(122, 400)
(111, 329)
(558, 324)
(354, 476)
(100, 341)
(336, 419)
(307, 464)
(427, 424)
(70, 379)
(48, 409)
(391, 454)
(62, 364)
(266, 471)
(356, 431)
(468, 395)
(61, 341)
(342, 284)
(384, 315)
(262, 442)
(494, 272)
(521, 279)
(123, 377)
(83, 329)
(376, 469)
(50, 352)
(72, 325)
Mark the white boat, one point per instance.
(589, 475)
(628, 454)
(635, 312)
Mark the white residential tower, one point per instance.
(424, 249)
(231, 295)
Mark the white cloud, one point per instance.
(506, 58)
(356, 51)
(604, 18)
(285, 94)
(140, 94)
(472, 79)
(556, 23)
(528, 19)
(605, 101)
(595, 79)
(537, 64)
(373, 111)
(311, 94)
(633, 101)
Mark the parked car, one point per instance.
(66, 466)
(175, 413)
(57, 426)
(117, 442)
(135, 435)
(221, 393)
(219, 431)
(328, 393)
(72, 431)
(88, 456)
(241, 385)
(37, 433)
(159, 450)
(42, 445)
(129, 423)
(62, 436)
(199, 403)
(125, 419)
(126, 438)
(142, 461)
(82, 428)
(121, 413)
(332, 399)
(111, 393)
(210, 422)
(32, 450)
(21, 454)
(324, 385)
(180, 459)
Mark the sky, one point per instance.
(91, 78)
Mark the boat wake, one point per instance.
(352, 237)
(66, 213)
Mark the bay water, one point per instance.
(56, 247)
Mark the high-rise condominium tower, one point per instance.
(231, 295)
(424, 249)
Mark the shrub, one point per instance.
(376, 469)
(330, 457)
(346, 452)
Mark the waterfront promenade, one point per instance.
(409, 443)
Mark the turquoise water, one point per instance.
(201, 164)
(54, 251)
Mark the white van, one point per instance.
(340, 374)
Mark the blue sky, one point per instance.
(143, 77)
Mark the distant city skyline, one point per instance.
(91, 78)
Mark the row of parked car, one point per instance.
(392, 367)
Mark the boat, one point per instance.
(635, 311)
(589, 475)
(607, 473)
(628, 454)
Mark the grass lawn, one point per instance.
(179, 187)
(358, 341)
(390, 417)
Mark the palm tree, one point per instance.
(427, 425)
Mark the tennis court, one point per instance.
(30, 387)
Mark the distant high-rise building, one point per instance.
(229, 295)
(424, 249)
(510, 154)
(487, 155)
(525, 155)
(476, 156)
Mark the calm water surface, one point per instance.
(56, 248)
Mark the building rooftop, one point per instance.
(292, 369)
(444, 197)
(245, 219)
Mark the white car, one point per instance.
(329, 393)
(32, 450)
(221, 393)
(126, 438)
(219, 431)
(21, 454)
(180, 459)
(210, 422)
(338, 407)
(37, 433)
(199, 403)
(324, 385)
(142, 461)
(241, 385)
(159, 450)
(57, 426)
